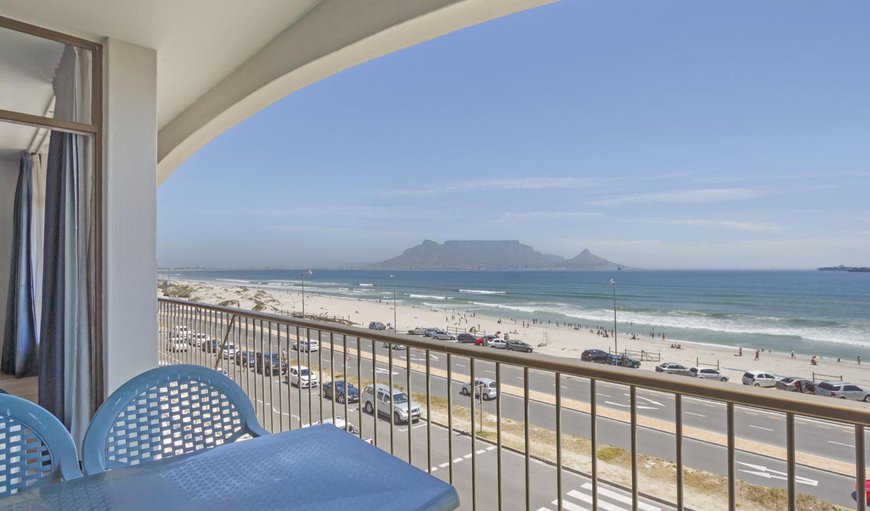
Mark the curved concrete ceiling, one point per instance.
(221, 61)
(331, 37)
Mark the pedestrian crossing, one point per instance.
(608, 500)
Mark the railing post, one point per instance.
(860, 469)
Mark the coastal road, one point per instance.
(700, 455)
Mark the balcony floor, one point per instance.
(21, 387)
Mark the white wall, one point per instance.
(130, 214)
(8, 182)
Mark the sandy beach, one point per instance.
(547, 338)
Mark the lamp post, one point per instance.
(304, 274)
(395, 310)
(615, 342)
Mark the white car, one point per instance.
(443, 336)
(178, 344)
(759, 379)
(488, 386)
(301, 376)
(496, 342)
(182, 331)
(310, 345)
(229, 351)
(706, 373)
(196, 340)
(345, 425)
(417, 331)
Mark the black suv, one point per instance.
(599, 356)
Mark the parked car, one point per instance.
(245, 358)
(178, 344)
(466, 338)
(417, 331)
(429, 332)
(842, 390)
(342, 391)
(672, 368)
(270, 364)
(196, 340)
(340, 423)
(759, 379)
(182, 331)
(397, 407)
(395, 346)
(489, 388)
(309, 345)
(228, 351)
(301, 376)
(792, 384)
(517, 345)
(594, 355)
(706, 373)
(377, 325)
(623, 361)
(444, 336)
(496, 342)
(210, 346)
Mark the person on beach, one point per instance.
(757, 353)
(792, 354)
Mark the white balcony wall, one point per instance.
(130, 214)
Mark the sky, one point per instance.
(667, 134)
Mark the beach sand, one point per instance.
(562, 341)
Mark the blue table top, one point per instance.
(316, 468)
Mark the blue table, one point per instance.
(316, 468)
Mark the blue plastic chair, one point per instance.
(35, 448)
(165, 412)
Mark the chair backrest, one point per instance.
(165, 412)
(35, 448)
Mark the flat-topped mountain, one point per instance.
(488, 254)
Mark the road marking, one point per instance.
(412, 427)
(648, 400)
(760, 427)
(570, 506)
(467, 456)
(603, 395)
(457, 460)
(444, 464)
(490, 448)
(489, 371)
(606, 506)
(621, 498)
(460, 365)
(696, 414)
(840, 443)
(639, 407)
(769, 473)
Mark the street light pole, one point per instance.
(304, 273)
(395, 310)
(615, 341)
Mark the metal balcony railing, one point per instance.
(533, 458)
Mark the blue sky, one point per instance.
(667, 134)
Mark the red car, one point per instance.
(866, 492)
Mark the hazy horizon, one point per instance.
(666, 135)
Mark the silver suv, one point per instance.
(706, 373)
(843, 391)
(398, 408)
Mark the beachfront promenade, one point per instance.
(826, 447)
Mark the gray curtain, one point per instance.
(20, 345)
(68, 256)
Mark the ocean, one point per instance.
(812, 312)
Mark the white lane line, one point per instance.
(760, 427)
(603, 395)
(570, 506)
(695, 414)
(481, 451)
(443, 465)
(460, 365)
(543, 509)
(467, 456)
(490, 448)
(489, 371)
(840, 443)
(457, 460)
(621, 498)
(606, 506)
